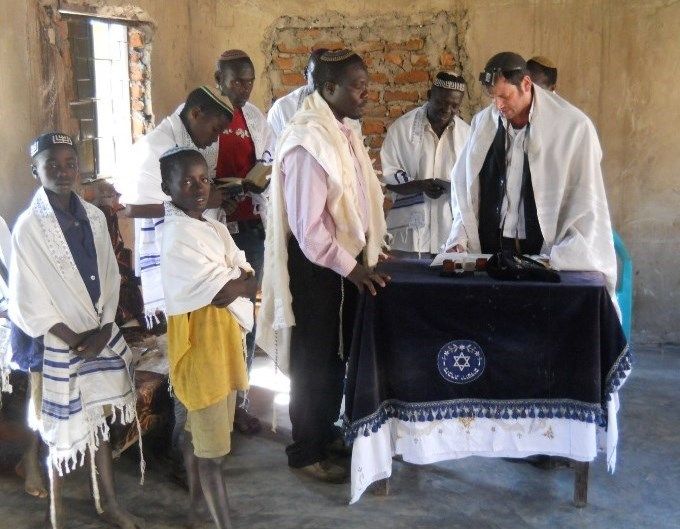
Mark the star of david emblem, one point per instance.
(461, 361)
(457, 361)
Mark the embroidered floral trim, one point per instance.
(57, 247)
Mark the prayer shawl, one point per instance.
(564, 157)
(46, 288)
(419, 223)
(198, 258)
(140, 183)
(315, 128)
(5, 352)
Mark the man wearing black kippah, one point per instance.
(417, 156)
(529, 179)
(325, 234)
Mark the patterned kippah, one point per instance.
(232, 55)
(450, 81)
(543, 61)
(50, 139)
(176, 150)
(337, 55)
(222, 102)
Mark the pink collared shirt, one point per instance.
(305, 191)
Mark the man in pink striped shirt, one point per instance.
(326, 194)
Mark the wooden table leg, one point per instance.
(381, 487)
(581, 483)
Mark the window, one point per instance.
(99, 51)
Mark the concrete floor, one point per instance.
(472, 493)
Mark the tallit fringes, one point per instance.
(341, 340)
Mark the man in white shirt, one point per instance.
(418, 154)
(284, 107)
(529, 178)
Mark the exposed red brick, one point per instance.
(400, 95)
(375, 110)
(329, 45)
(419, 60)
(312, 33)
(285, 63)
(394, 58)
(368, 60)
(136, 72)
(292, 79)
(137, 105)
(369, 45)
(296, 48)
(135, 39)
(396, 111)
(373, 95)
(378, 78)
(410, 45)
(373, 126)
(414, 76)
(136, 91)
(447, 59)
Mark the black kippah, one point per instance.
(49, 140)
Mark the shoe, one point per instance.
(339, 448)
(246, 423)
(325, 471)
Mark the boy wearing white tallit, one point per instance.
(529, 177)
(325, 230)
(64, 286)
(208, 287)
(418, 153)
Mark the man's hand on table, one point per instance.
(364, 277)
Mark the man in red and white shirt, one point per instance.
(244, 144)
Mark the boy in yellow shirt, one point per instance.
(208, 286)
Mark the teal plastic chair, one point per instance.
(624, 288)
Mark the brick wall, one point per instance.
(402, 53)
(139, 49)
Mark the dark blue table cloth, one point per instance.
(429, 347)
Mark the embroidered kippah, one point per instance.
(543, 61)
(232, 55)
(450, 81)
(336, 55)
(50, 139)
(222, 102)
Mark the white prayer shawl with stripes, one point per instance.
(46, 288)
(5, 353)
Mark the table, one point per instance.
(442, 368)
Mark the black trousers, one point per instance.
(317, 372)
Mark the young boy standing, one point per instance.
(208, 285)
(64, 285)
